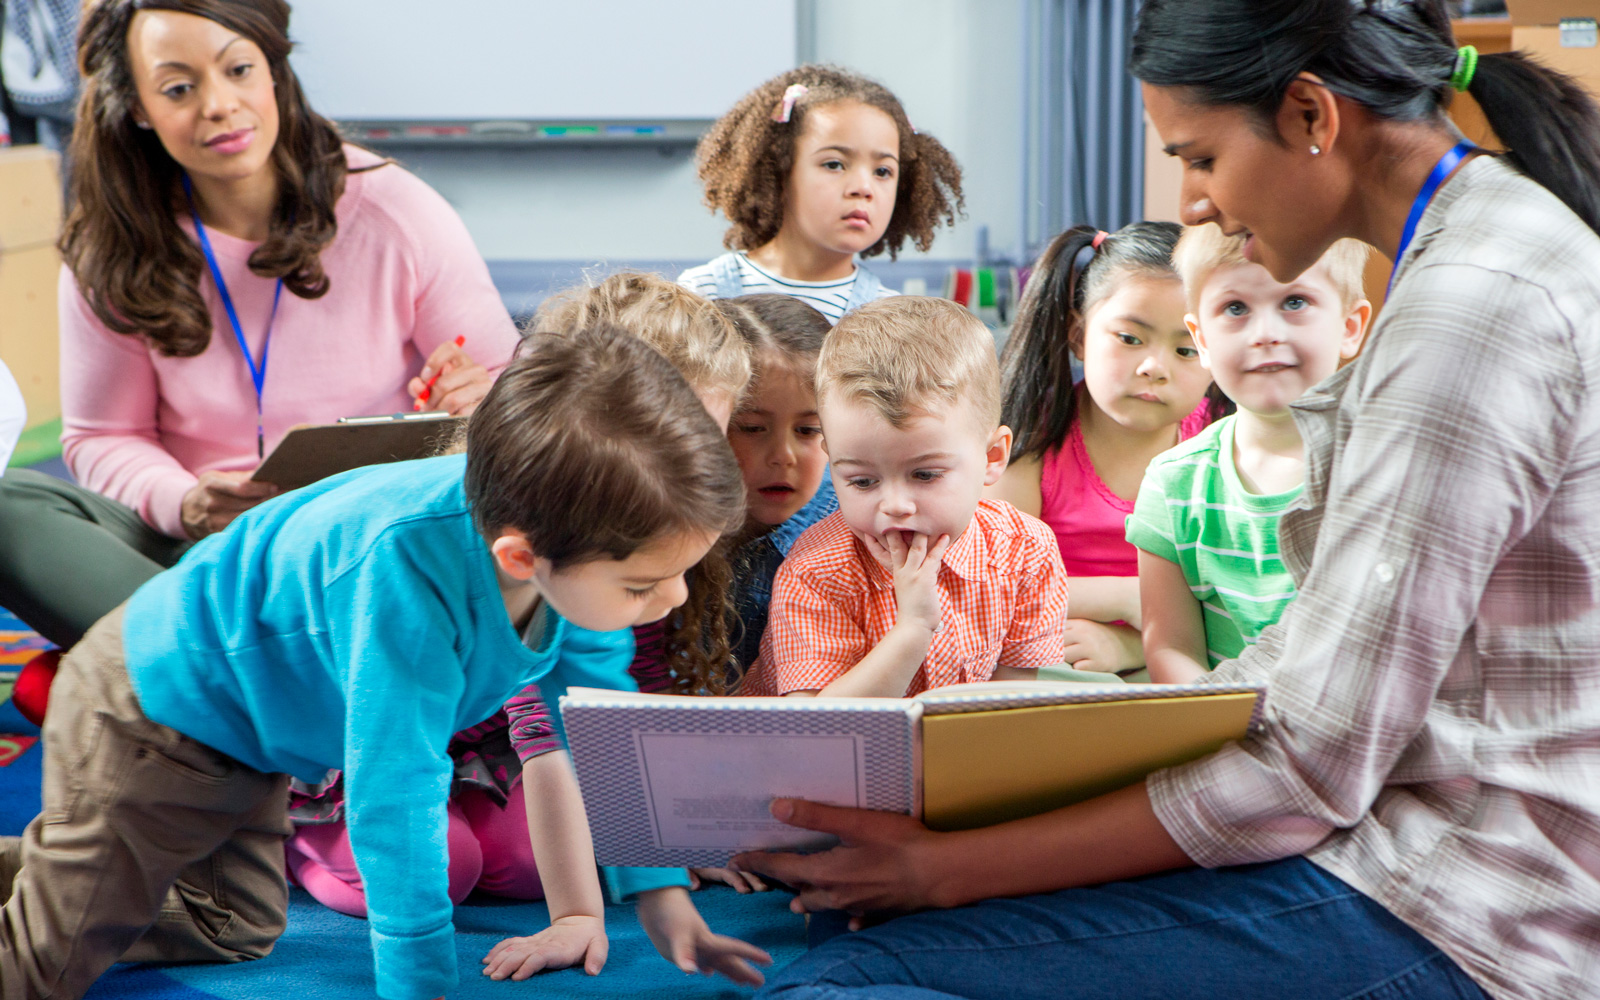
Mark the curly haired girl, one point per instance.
(812, 168)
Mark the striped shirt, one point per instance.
(1432, 728)
(1002, 599)
(533, 728)
(1194, 511)
(830, 298)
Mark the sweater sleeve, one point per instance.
(13, 415)
(598, 660)
(455, 295)
(396, 645)
(110, 397)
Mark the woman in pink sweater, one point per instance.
(201, 177)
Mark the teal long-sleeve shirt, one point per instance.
(354, 624)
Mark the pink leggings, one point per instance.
(489, 850)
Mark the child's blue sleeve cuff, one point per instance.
(415, 968)
(622, 884)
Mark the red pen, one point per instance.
(461, 341)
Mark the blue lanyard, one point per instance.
(258, 374)
(1430, 187)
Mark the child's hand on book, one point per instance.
(681, 936)
(915, 567)
(1103, 648)
(742, 881)
(566, 942)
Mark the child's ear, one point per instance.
(1355, 329)
(1193, 324)
(514, 555)
(998, 455)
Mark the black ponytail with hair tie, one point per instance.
(1396, 58)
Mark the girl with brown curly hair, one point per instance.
(813, 168)
(215, 215)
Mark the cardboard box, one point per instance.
(30, 197)
(28, 341)
(1550, 12)
(1546, 43)
(30, 220)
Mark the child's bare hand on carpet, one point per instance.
(742, 881)
(566, 942)
(681, 936)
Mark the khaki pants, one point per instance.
(151, 846)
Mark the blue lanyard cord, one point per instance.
(1446, 165)
(258, 374)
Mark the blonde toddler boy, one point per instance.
(916, 581)
(1206, 522)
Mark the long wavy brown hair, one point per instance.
(135, 266)
(706, 348)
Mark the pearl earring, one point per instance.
(1316, 150)
(143, 125)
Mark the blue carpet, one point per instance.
(324, 954)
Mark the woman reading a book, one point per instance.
(1419, 813)
(232, 270)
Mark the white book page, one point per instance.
(714, 790)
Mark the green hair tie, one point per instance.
(1466, 66)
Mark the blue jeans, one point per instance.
(1284, 931)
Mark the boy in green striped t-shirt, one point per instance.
(1206, 522)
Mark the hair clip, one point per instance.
(785, 107)
(1099, 238)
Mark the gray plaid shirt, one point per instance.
(1432, 733)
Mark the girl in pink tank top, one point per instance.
(1101, 375)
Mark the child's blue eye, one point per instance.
(926, 475)
(1295, 303)
(861, 483)
(1129, 339)
(1235, 309)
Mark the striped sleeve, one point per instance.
(532, 731)
(1150, 524)
(699, 280)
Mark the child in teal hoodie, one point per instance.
(357, 624)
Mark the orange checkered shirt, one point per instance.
(1002, 598)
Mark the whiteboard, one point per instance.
(476, 60)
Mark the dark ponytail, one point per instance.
(1549, 125)
(1071, 277)
(1393, 57)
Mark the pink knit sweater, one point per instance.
(405, 278)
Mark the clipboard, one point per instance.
(312, 452)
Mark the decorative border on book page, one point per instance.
(934, 703)
(602, 736)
